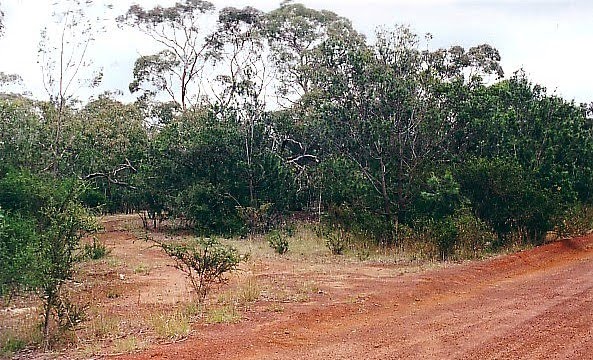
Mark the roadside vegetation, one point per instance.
(388, 147)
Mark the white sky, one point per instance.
(550, 39)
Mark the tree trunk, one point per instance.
(386, 201)
(47, 314)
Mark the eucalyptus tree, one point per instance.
(293, 32)
(177, 69)
(110, 144)
(24, 135)
(66, 66)
(243, 79)
(391, 109)
(551, 139)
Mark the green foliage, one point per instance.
(205, 262)
(93, 198)
(509, 199)
(278, 241)
(458, 236)
(40, 239)
(575, 221)
(95, 250)
(337, 241)
(440, 198)
(23, 133)
(18, 246)
(474, 237)
(206, 209)
(259, 219)
(384, 141)
(11, 346)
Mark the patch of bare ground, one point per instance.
(536, 304)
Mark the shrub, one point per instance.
(205, 262)
(509, 198)
(335, 240)
(258, 219)
(278, 242)
(42, 237)
(95, 250)
(207, 209)
(93, 198)
(577, 220)
(18, 244)
(473, 235)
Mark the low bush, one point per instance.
(278, 241)
(577, 220)
(205, 262)
(336, 240)
(95, 250)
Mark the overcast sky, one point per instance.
(550, 39)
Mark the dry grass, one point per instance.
(171, 325)
(225, 314)
(20, 327)
(142, 269)
(103, 326)
(128, 345)
(247, 290)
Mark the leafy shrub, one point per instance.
(43, 235)
(473, 235)
(18, 244)
(278, 242)
(205, 262)
(440, 197)
(258, 219)
(377, 227)
(576, 220)
(95, 250)
(207, 209)
(336, 240)
(434, 238)
(93, 198)
(509, 198)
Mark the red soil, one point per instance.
(537, 304)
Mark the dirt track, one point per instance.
(537, 304)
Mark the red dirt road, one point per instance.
(537, 304)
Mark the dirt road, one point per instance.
(537, 304)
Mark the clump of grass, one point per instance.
(336, 241)
(277, 308)
(19, 336)
(246, 292)
(192, 310)
(95, 250)
(249, 291)
(171, 325)
(363, 253)
(226, 314)
(142, 269)
(128, 345)
(304, 290)
(11, 345)
(104, 326)
(113, 293)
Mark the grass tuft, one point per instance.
(128, 345)
(226, 314)
(171, 325)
